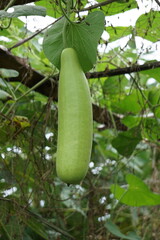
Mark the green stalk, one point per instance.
(66, 15)
(34, 87)
(27, 92)
(9, 5)
(11, 92)
(66, 21)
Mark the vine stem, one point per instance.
(66, 21)
(68, 10)
(27, 92)
(34, 87)
(9, 5)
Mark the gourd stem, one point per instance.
(68, 10)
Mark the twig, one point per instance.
(122, 71)
(35, 34)
(157, 2)
(11, 3)
(40, 218)
(27, 92)
(97, 5)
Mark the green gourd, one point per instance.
(75, 121)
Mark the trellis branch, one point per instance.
(30, 78)
(157, 2)
(3, 3)
(101, 4)
(27, 75)
(125, 70)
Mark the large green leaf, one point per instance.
(151, 128)
(126, 142)
(154, 96)
(83, 37)
(147, 26)
(154, 99)
(132, 103)
(24, 10)
(53, 42)
(152, 73)
(116, 231)
(51, 7)
(116, 33)
(137, 194)
(131, 121)
(119, 6)
(112, 85)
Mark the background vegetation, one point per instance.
(119, 197)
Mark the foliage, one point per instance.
(34, 203)
(83, 37)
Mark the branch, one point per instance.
(30, 77)
(122, 71)
(3, 3)
(157, 2)
(32, 36)
(30, 214)
(27, 75)
(97, 5)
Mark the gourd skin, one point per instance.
(75, 124)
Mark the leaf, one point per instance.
(132, 103)
(126, 142)
(51, 7)
(151, 128)
(131, 121)
(36, 227)
(53, 42)
(147, 26)
(24, 10)
(116, 33)
(119, 6)
(8, 73)
(154, 96)
(137, 194)
(152, 73)
(21, 121)
(83, 37)
(112, 85)
(116, 231)
(4, 96)
(154, 99)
